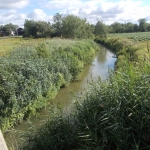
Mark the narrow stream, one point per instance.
(99, 68)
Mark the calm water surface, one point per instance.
(99, 68)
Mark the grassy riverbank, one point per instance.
(114, 114)
(31, 75)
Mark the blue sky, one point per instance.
(16, 11)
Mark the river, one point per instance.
(99, 68)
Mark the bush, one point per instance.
(31, 76)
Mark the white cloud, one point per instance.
(12, 17)
(12, 4)
(39, 15)
(121, 11)
(106, 10)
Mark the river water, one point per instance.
(99, 68)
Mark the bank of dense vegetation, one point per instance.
(113, 114)
(32, 75)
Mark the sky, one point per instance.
(109, 11)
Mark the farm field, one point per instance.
(136, 36)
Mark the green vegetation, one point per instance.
(69, 26)
(32, 75)
(137, 36)
(8, 44)
(113, 114)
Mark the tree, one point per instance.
(75, 27)
(118, 27)
(136, 28)
(129, 27)
(142, 24)
(20, 31)
(29, 28)
(37, 29)
(13, 27)
(42, 29)
(100, 29)
(6, 30)
(57, 18)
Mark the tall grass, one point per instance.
(114, 114)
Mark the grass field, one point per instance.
(9, 43)
(137, 36)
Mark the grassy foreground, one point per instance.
(112, 115)
(31, 75)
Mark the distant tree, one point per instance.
(29, 28)
(100, 29)
(75, 27)
(117, 27)
(20, 31)
(57, 25)
(148, 26)
(13, 27)
(142, 24)
(129, 27)
(6, 30)
(136, 28)
(37, 29)
(42, 29)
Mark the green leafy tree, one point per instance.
(57, 26)
(37, 29)
(142, 24)
(30, 28)
(117, 27)
(75, 27)
(100, 29)
(6, 30)
(129, 27)
(136, 28)
(43, 29)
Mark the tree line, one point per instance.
(71, 26)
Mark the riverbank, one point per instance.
(32, 75)
(113, 114)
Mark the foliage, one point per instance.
(129, 27)
(142, 24)
(6, 29)
(37, 29)
(114, 114)
(32, 75)
(74, 27)
(57, 25)
(137, 36)
(100, 29)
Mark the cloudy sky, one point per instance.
(16, 11)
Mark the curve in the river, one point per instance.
(99, 68)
